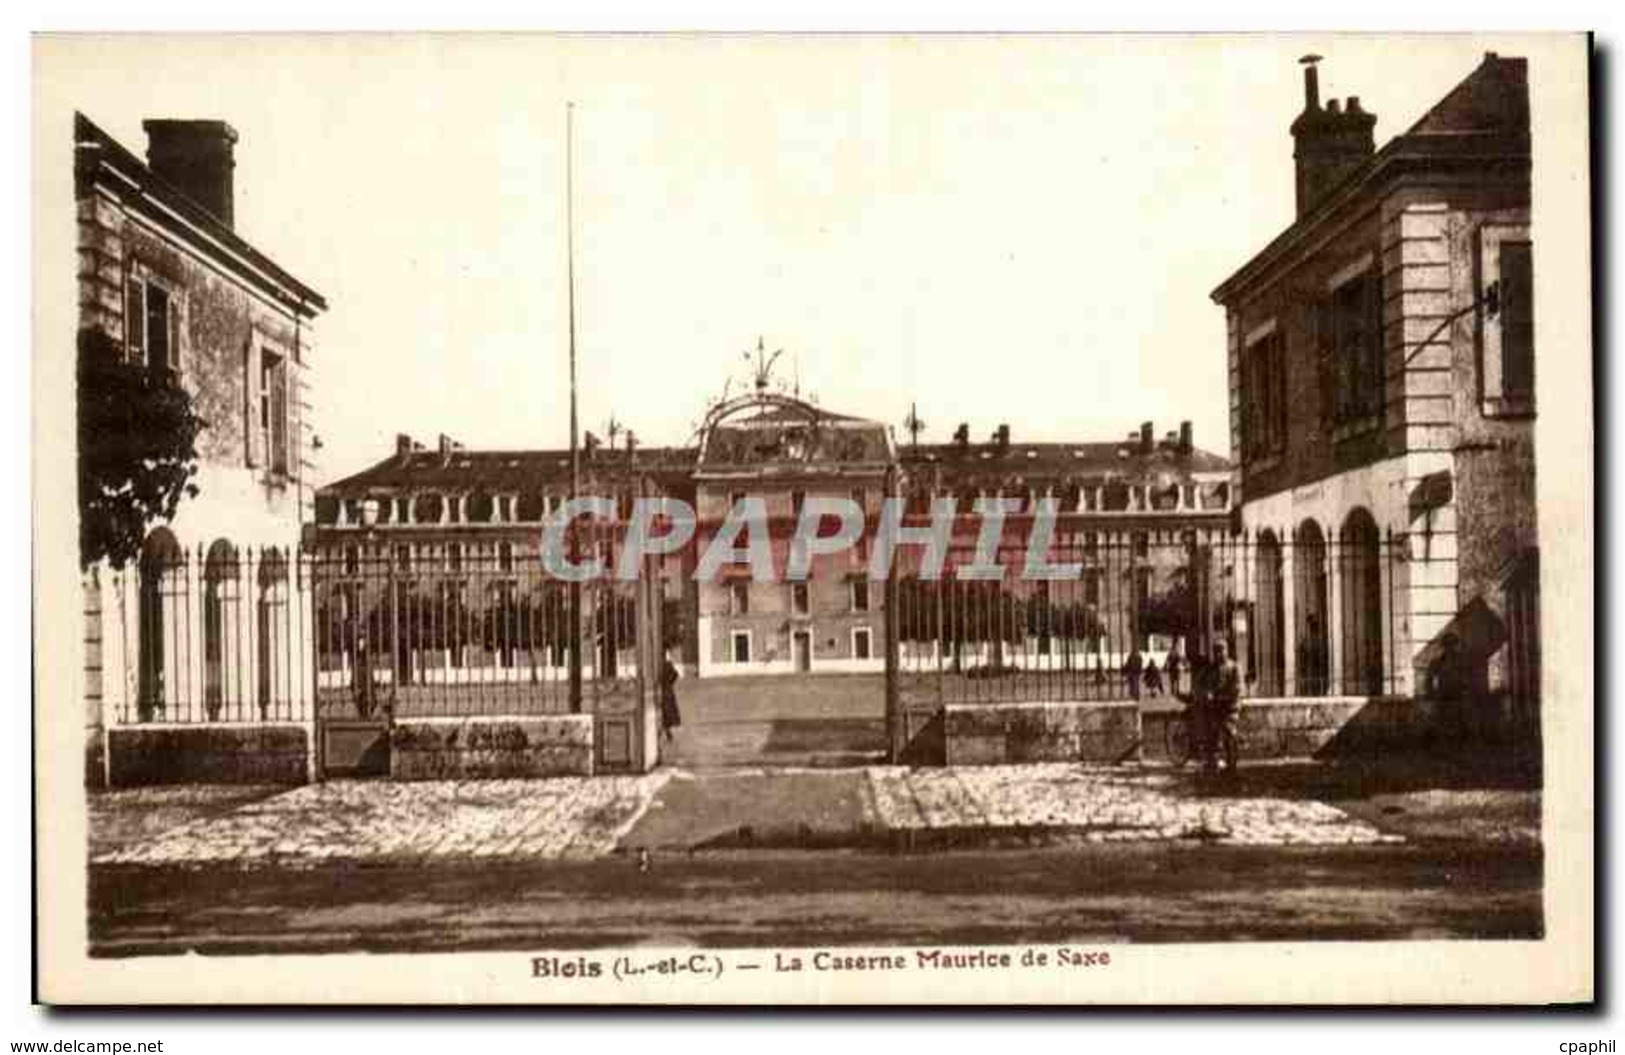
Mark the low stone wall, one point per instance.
(1309, 726)
(1050, 731)
(476, 748)
(208, 754)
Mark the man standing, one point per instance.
(1223, 698)
(1131, 674)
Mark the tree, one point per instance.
(137, 449)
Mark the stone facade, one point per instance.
(1413, 468)
(168, 279)
(208, 754)
(997, 733)
(1144, 492)
(480, 749)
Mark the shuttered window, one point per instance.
(152, 325)
(1517, 321)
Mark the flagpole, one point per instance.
(575, 450)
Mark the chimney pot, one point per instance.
(1328, 144)
(403, 443)
(1146, 433)
(197, 158)
(1001, 435)
(1187, 439)
(1311, 83)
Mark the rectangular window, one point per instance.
(1353, 315)
(1264, 396)
(741, 646)
(860, 595)
(454, 556)
(739, 598)
(1091, 587)
(271, 413)
(159, 335)
(403, 557)
(505, 557)
(800, 600)
(861, 643)
(352, 560)
(152, 328)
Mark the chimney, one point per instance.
(1187, 438)
(962, 434)
(403, 444)
(197, 157)
(1001, 437)
(447, 444)
(1147, 442)
(1328, 143)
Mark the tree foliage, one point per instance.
(137, 450)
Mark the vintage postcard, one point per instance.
(919, 519)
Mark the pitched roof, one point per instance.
(1077, 462)
(94, 150)
(506, 471)
(1482, 124)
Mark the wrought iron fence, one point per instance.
(215, 635)
(448, 627)
(1137, 612)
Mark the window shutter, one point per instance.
(251, 404)
(279, 418)
(135, 317)
(1517, 321)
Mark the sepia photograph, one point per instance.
(781, 519)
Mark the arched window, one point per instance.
(221, 646)
(1360, 580)
(160, 648)
(1271, 594)
(1312, 646)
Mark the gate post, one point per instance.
(896, 733)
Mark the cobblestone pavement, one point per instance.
(132, 816)
(1103, 806)
(576, 818)
(432, 820)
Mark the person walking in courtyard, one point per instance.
(670, 716)
(1153, 678)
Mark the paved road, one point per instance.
(1145, 892)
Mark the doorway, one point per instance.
(801, 650)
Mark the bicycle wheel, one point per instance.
(1177, 739)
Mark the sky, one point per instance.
(1020, 229)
